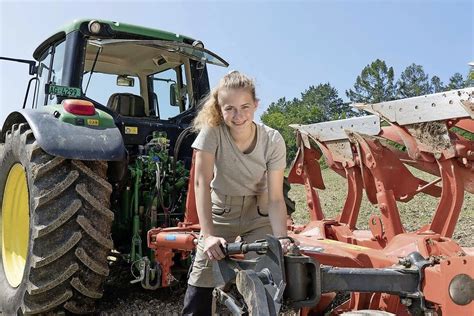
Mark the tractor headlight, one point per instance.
(198, 44)
(94, 27)
(461, 289)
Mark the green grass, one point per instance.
(414, 214)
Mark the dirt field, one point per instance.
(133, 300)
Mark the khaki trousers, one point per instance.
(244, 216)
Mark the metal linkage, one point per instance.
(261, 282)
(305, 281)
(166, 243)
(404, 281)
(393, 281)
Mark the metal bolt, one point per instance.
(299, 169)
(406, 301)
(404, 262)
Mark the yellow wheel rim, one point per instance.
(15, 225)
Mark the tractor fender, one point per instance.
(69, 141)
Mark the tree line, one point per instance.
(376, 83)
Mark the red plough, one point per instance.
(384, 268)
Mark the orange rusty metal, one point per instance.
(164, 256)
(437, 284)
(306, 170)
(174, 240)
(437, 279)
(426, 243)
(350, 211)
(452, 165)
(190, 215)
(374, 168)
(450, 204)
(466, 124)
(341, 254)
(166, 242)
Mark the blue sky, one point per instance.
(285, 45)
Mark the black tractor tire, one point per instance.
(290, 204)
(69, 231)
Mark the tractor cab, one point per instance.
(102, 58)
(139, 76)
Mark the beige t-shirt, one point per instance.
(236, 173)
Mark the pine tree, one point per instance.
(326, 98)
(413, 82)
(436, 85)
(455, 82)
(375, 84)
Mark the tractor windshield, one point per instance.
(156, 74)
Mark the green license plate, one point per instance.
(63, 91)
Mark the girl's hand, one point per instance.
(212, 247)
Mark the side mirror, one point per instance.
(33, 68)
(125, 81)
(174, 95)
(177, 95)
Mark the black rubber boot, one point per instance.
(198, 301)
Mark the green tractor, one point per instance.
(99, 154)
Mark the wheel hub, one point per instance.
(15, 221)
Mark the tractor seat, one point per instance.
(127, 104)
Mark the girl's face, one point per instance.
(238, 108)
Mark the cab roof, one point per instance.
(117, 28)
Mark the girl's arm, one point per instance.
(204, 170)
(276, 203)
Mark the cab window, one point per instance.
(102, 86)
(168, 93)
(53, 73)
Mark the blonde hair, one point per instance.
(210, 113)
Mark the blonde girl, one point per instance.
(238, 182)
